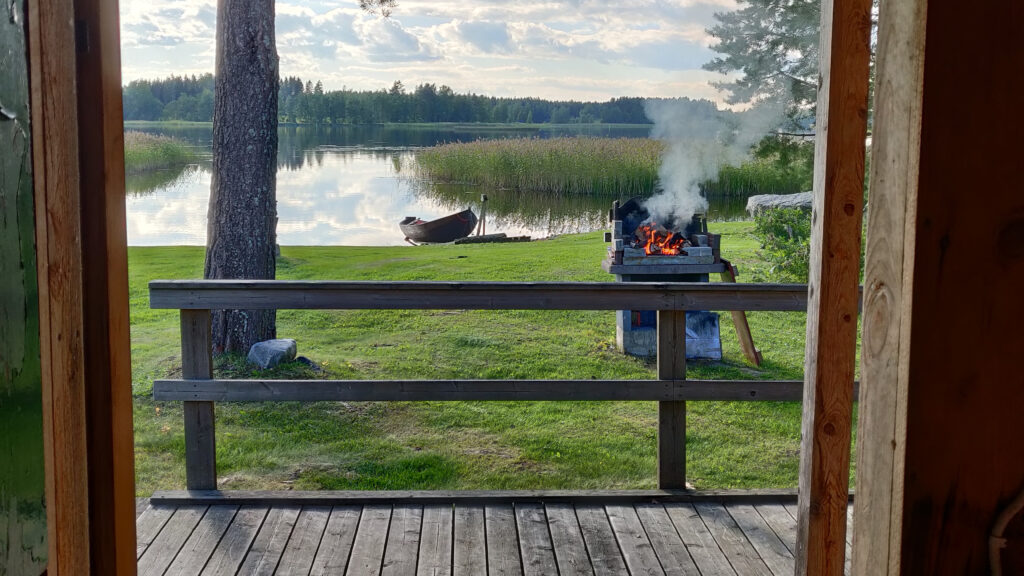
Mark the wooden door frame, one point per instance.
(78, 163)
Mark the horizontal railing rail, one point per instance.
(293, 295)
(199, 390)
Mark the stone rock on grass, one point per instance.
(270, 353)
(763, 202)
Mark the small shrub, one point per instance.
(785, 236)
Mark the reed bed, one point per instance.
(578, 165)
(144, 151)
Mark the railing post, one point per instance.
(672, 415)
(197, 363)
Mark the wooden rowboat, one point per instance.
(444, 229)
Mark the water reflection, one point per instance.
(351, 186)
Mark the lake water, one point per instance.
(352, 185)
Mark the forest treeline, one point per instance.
(190, 98)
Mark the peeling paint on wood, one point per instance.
(23, 546)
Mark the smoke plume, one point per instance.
(700, 139)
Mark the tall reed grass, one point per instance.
(587, 165)
(580, 165)
(143, 151)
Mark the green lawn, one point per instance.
(462, 445)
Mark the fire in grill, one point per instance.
(638, 241)
(646, 251)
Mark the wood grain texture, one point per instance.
(149, 525)
(535, 545)
(699, 541)
(403, 545)
(503, 557)
(636, 548)
(436, 540)
(289, 294)
(567, 540)
(888, 283)
(55, 162)
(265, 551)
(484, 390)
(371, 537)
(672, 553)
(196, 551)
(603, 548)
(968, 223)
(165, 547)
(336, 545)
(833, 292)
(469, 552)
(200, 422)
(105, 289)
(773, 552)
(232, 548)
(299, 553)
(339, 497)
(672, 415)
(734, 544)
(781, 522)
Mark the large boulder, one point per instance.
(761, 202)
(270, 353)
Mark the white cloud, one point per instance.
(581, 49)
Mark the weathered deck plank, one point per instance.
(469, 556)
(674, 558)
(502, 541)
(567, 539)
(302, 545)
(768, 545)
(172, 537)
(336, 545)
(200, 545)
(270, 541)
(469, 537)
(436, 541)
(371, 537)
(403, 544)
(730, 538)
(534, 540)
(148, 525)
(636, 548)
(605, 556)
(231, 550)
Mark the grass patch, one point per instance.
(462, 445)
(579, 165)
(144, 152)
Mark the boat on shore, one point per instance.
(446, 229)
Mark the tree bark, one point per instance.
(241, 234)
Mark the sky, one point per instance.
(572, 49)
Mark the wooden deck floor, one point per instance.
(703, 538)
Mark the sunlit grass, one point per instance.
(463, 445)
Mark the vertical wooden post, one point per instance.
(833, 287)
(197, 363)
(105, 303)
(54, 127)
(672, 415)
(888, 281)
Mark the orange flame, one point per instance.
(658, 241)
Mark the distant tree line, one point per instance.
(191, 99)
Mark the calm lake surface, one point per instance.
(352, 185)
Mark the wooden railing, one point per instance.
(199, 390)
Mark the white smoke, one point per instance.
(700, 139)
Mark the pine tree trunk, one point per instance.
(241, 235)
